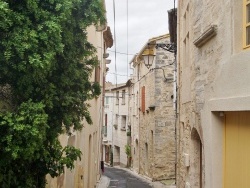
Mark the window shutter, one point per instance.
(103, 89)
(117, 97)
(143, 99)
(97, 74)
(106, 120)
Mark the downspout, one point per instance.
(173, 40)
(101, 29)
(177, 94)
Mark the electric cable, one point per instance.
(115, 76)
(127, 40)
(122, 53)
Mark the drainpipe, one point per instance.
(101, 29)
(173, 38)
(177, 95)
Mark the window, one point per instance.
(116, 121)
(107, 100)
(186, 35)
(105, 126)
(117, 97)
(106, 120)
(138, 72)
(246, 22)
(123, 96)
(143, 99)
(123, 123)
(116, 118)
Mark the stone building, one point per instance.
(152, 112)
(116, 116)
(214, 73)
(87, 170)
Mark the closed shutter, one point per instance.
(97, 74)
(103, 89)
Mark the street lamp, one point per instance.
(148, 54)
(148, 57)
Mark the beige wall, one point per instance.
(215, 78)
(87, 171)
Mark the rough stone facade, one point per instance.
(213, 67)
(154, 134)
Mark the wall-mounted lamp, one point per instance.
(148, 54)
(148, 57)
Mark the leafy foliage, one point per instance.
(128, 150)
(46, 60)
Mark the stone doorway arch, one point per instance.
(196, 166)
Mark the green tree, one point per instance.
(46, 62)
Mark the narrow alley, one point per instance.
(123, 179)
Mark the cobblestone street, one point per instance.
(122, 179)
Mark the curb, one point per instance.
(104, 182)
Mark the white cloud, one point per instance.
(146, 19)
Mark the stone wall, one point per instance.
(157, 124)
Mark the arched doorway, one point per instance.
(196, 159)
(136, 156)
(146, 159)
(90, 161)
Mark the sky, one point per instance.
(136, 21)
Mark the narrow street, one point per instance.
(122, 179)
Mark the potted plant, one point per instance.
(129, 133)
(128, 153)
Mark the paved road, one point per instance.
(122, 179)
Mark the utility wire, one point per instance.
(116, 74)
(115, 48)
(123, 53)
(115, 42)
(127, 40)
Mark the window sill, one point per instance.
(246, 47)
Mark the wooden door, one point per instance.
(237, 150)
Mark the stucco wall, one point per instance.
(119, 134)
(87, 171)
